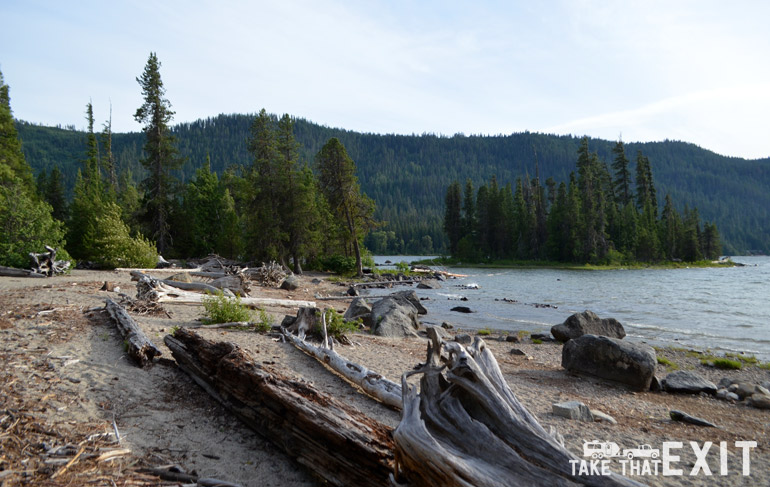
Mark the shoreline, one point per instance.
(76, 368)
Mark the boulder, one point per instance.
(688, 382)
(461, 309)
(573, 410)
(611, 358)
(429, 284)
(759, 401)
(392, 317)
(359, 308)
(587, 323)
(410, 297)
(464, 339)
(290, 283)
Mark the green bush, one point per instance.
(339, 264)
(108, 243)
(337, 326)
(221, 309)
(264, 323)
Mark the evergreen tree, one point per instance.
(161, 155)
(268, 181)
(469, 209)
(452, 216)
(108, 161)
(53, 193)
(26, 224)
(711, 246)
(622, 180)
(670, 228)
(339, 185)
(645, 188)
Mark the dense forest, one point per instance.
(407, 175)
(602, 215)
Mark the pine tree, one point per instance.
(339, 185)
(161, 155)
(26, 224)
(108, 161)
(622, 180)
(452, 216)
(53, 193)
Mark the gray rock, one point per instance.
(742, 389)
(731, 396)
(290, 283)
(429, 284)
(766, 384)
(441, 332)
(463, 339)
(721, 393)
(447, 325)
(603, 417)
(762, 390)
(655, 384)
(352, 291)
(316, 281)
(410, 297)
(359, 308)
(687, 418)
(573, 410)
(513, 338)
(461, 309)
(687, 382)
(760, 401)
(516, 351)
(587, 323)
(392, 317)
(611, 358)
(724, 383)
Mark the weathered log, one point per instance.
(156, 290)
(14, 272)
(186, 286)
(45, 262)
(467, 428)
(139, 347)
(370, 382)
(329, 437)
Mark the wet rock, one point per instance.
(684, 381)
(429, 284)
(543, 337)
(587, 323)
(731, 396)
(573, 410)
(461, 309)
(611, 358)
(513, 338)
(352, 291)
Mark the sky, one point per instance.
(696, 71)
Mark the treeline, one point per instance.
(274, 207)
(598, 216)
(407, 175)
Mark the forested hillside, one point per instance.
(407, 176)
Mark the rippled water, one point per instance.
(722, 309)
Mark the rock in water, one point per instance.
(461, 309)
(688, 382)
(611, 358)
(587, 323)
(429, 284)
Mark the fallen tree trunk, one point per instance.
(186, 286)
(372, 383)
(467, 428)
(156, 290)
(14, 272)
(138, 346)
(334, 440)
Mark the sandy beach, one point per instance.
(65, 380)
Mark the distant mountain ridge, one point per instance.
(407, 175)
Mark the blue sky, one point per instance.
(697, 71)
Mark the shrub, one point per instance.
(339, 264)
(265, 322)
(537, 341)
(222, 309)
(109, 244)
(337, 326)
(727, 364)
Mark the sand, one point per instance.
(65, 378)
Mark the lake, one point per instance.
(721, 309)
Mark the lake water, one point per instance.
(722, 309)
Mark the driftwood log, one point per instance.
(466, 428)
(139, 347)
(15, 272)
(185, 286)
(153, 289)
(372, 383)
(46, 263)
(332, 439)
